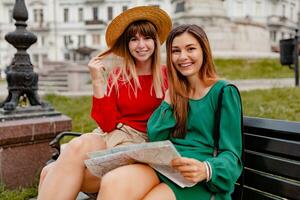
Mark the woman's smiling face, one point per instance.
(187, 55)
(141, 47)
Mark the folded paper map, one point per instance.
(156, 154)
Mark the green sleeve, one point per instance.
(161, 124)
(227, 166)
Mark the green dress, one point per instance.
(198, 142)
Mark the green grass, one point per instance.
(275, 103)
(77, 108)
(19, 194)
(252, 69)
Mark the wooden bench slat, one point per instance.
(274, 146)
(282, 126)
(266, 182)
(274, 165)
(252, 194)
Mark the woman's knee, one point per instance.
(81, 145)
(45, 171)
(113, 180)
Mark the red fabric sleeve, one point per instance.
(104, 112)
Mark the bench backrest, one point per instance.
(272, 159)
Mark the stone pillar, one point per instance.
(24, 145)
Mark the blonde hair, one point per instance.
(127, 70)
(179, 87)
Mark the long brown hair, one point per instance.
(128, 71)
(179, 87)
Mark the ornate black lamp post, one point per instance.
(21, 79)
(25, 132)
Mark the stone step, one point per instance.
(52, 78)
(53, 83)
(54, 73)
(47, 88)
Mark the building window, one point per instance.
(258, 8)
(292, 12)
(35, 15)
(273, 8)
(42, 40)
(282, 35)
(81, 40)
(80, 14)
(41, 16)
(239, 9)
(95, 13)
(10, 15)
(38, 16)
(180, 7)
(67, 40)
(273, 36)
(66, 15)
(96, 39)
(109, 13)
(124, 8)
(283, 10)
(155, 5)
(35, 58)
(67, 56)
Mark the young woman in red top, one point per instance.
(134, 90)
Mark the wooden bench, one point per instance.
(272, 159)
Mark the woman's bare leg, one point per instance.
(63, 180)
(128, 182)
(90, 183)
(44, 173)
(161, 191)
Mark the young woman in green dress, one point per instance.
(186, 117)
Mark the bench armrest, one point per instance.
(55, 143)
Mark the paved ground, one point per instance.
(264, 83)
(242, 85)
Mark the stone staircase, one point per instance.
(61, 77)
(53, 77)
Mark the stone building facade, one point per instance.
(72, 29)
(241, 27)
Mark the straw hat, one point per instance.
(157, 16)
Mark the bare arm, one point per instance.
(167, 97)
(97, 68)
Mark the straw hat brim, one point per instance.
(155, 15)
